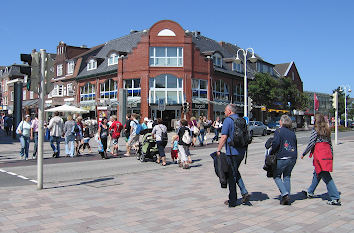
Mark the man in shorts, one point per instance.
(134, 137)
(116, 127)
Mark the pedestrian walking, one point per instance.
(284, 145)
(174, 148)
(234, 157)
(56, 126)
(201, 125)
(159, 132)
(184, 142)
(217, 127)
(86, 139)
(135, 128)
(34, 135)
(109, 139)
(69, 135)
(24, 132)
(127, 128)
(8, 127)
(103, 131)
(115, 129)
(78, 135)
(144, 124)
(321, 149)
(193, 125)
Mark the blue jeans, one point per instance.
(69, 145)
(234, 177)
(327, 178)
(161, 147)
(57, 141)
(24, 146)
(216, 137)
(284, 167)
(201, 136)
(35, 148)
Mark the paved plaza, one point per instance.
(124, 195)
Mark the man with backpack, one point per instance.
(234, 135)
(115, 129)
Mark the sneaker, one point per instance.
(245, 198)
(34, 157)
(307, 194)
(26, 158)
(334, 202)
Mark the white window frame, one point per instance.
(104, 92)
(59, 70)
(58, 91)
(238, 93)
(85, 95)
(237, 67)
(69, 89)
(24, 96)
(113, 59)
(12, 94)
(179, 90)
(153, 57)
(198, 89)
(92, 64)
(133, 89)
(217, 60)
(31, 95)
(70, 66)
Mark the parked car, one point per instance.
(257, 128)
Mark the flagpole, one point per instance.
(314, 105)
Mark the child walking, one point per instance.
(174, 148)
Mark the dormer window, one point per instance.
(92, 64)
(113, 59)
(70, 67)
(237, 67)
(217, 59)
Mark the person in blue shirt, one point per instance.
(234, 157)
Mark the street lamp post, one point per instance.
(345, 88)
(238, 61)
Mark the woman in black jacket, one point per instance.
(285, 147)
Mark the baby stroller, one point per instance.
(147, 147)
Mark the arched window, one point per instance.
(109, 90)
(92, 64)
(87, 92)
(167, 87)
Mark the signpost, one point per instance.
(161, 105)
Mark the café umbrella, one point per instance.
(67, 108)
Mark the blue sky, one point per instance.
(317, 35)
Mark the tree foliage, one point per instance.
(276, 93)
(341, 104)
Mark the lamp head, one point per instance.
(253, 59)
(350, 90)
(238, 60)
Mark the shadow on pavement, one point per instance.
(259, 196)
(82, 183)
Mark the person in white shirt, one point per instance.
(56, 126)
(24, 131)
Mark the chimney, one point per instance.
(133, 31)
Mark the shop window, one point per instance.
(133, 87)
(167, 87)
(87, 92)
(238, 93)
(220, 90)
(199, 88)
(109, 90)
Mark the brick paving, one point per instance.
(175, 200)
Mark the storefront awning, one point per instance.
(30, 103)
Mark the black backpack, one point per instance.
(241, 137)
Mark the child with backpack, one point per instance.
(174, 148)
(86, 139)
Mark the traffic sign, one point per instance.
(161, 105)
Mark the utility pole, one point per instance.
(335, 106)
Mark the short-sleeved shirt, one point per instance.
(34, 125)
(158, 130)
(134, 125)
(228, 129)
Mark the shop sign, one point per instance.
(263, 108)
(199, 106)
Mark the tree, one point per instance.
(291, 97)
(264, 90)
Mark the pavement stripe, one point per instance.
(22, 177)
(11, 173)
(2, 170)
(34, 181)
